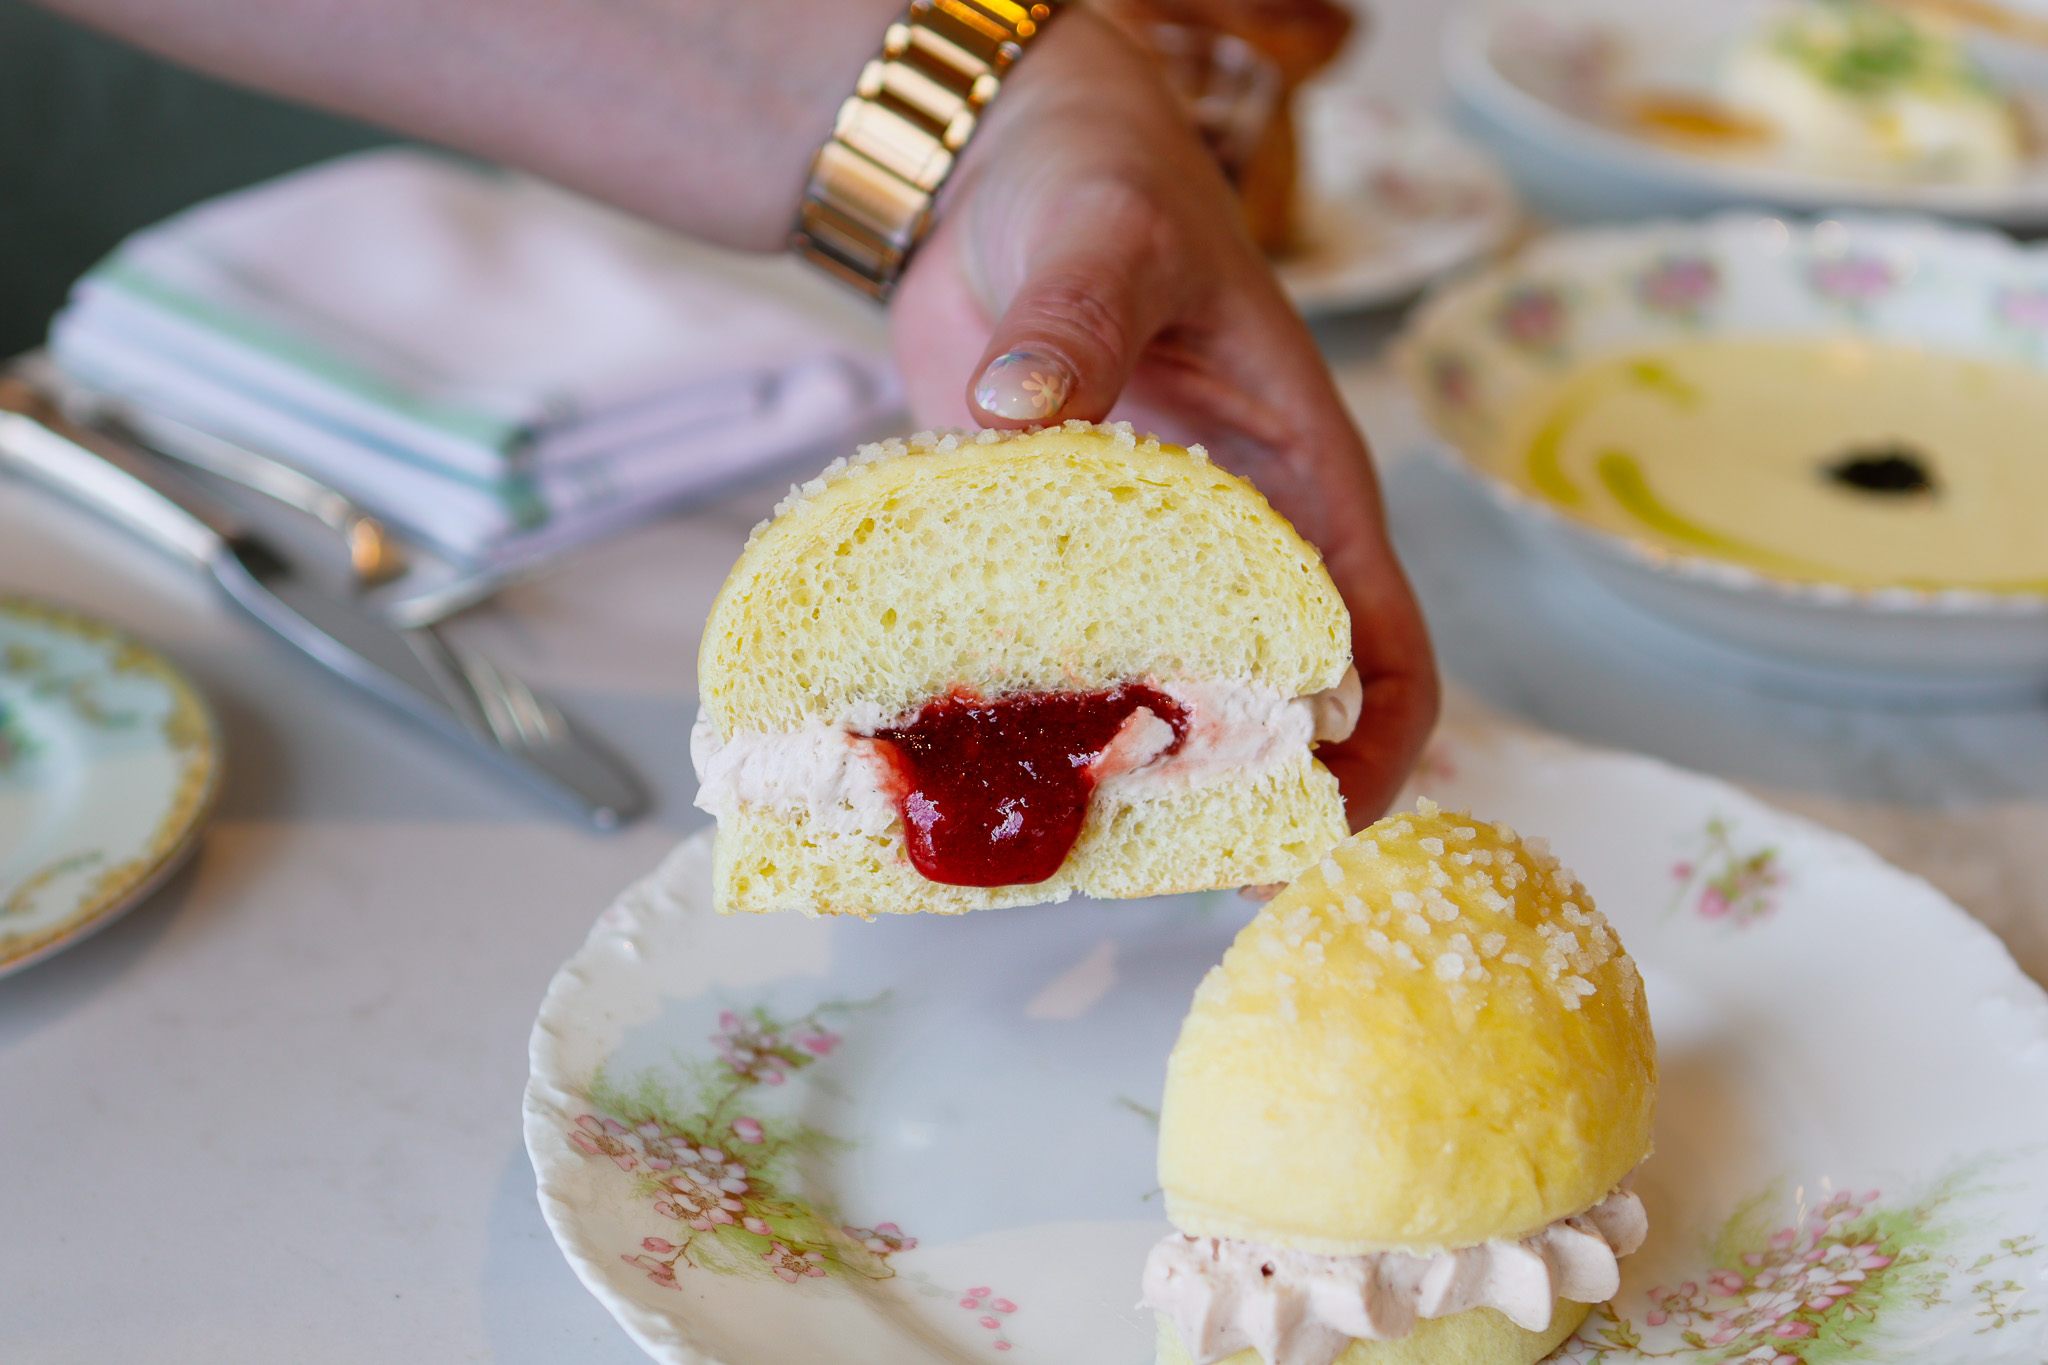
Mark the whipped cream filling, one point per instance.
(839, 776)
(1224, 1295)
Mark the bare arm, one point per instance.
(701, 116)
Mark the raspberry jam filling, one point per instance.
(994, 792)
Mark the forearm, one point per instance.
(698, 114)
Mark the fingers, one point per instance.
(1084, 307)
(1397, 670)
(937, 325)
(1389, 642)
(1307, 456)
(1106, 296)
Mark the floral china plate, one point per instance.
(1391, 199)
(108, 764)
(778, 1139)
(1476, 346)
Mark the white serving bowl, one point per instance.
(1475, 346)
(1519, 72)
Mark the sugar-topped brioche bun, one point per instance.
(1430, 1040)
(1480, 1337)
(1075, 560)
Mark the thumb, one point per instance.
(1070, 335)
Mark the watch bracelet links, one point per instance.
(872, 185)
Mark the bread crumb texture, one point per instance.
(1429, 1039)
(1240, 832)
(1076, 556)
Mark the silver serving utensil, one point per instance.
(404, 588)
(374, 555)
(414, 670)
(392, 576)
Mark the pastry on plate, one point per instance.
(1860, 89)
(959, 672)
(1401, 1118)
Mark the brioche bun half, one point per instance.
(1073, 558)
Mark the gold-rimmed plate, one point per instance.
(109, 761)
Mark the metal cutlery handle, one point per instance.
(110, 478)
(460, 695)
(374, 555)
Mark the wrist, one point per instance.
(918, 105)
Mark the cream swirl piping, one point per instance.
(1224, 1295)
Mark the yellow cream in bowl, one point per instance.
(1824, 460)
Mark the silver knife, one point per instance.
(404, 587)
(415, 670)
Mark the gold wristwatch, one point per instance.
(870, 196)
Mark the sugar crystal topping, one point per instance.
(1122, 434)
(1454, 914)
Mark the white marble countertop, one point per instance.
(274, 1115)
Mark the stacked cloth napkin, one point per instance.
(492, 364)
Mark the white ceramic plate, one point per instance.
(1391, 200)
(1519, 71)
(108, 763)
(769, 1140)
(1474, 347)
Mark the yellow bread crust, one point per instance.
(1345, 1082)
(1233, 833)
(1075, 556)
(1480, 1337)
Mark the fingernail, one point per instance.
(1023, 386)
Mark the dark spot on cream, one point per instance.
(1887, 471)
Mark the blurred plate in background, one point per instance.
(109, 761)
(1527, 78)
(1391, 199)
(1477, 348)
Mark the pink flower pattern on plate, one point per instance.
(703, 1188)
(1452, 380)
(992, 1313)
(1532, 317)
(884, 1239)
(1723, 882)
(752, 1050)
(791, 1265)
(1855, 280)
(818, 1042)
(721, 1175)
(2023, 309)
(1803, 1293)
(1679, 286)
(594, 1136)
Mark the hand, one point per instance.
(1088, 239)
